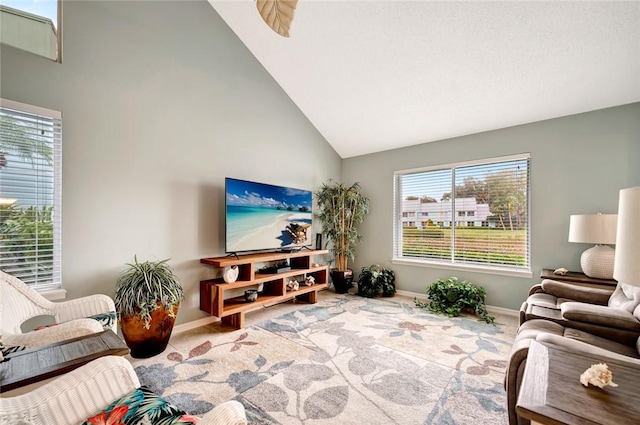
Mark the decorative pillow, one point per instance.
(5, 350)
(106, 319)
(8, 349)
(141, 407)
(50, 325)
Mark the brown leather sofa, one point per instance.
(611, 314)
(583, 318)
(555, 333)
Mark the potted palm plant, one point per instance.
(147, 299)
(341, 209)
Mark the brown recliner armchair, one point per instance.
(611, 314)
(555, 333)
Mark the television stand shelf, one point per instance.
(221, 299)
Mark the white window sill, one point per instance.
(54, 294)
(466, 267)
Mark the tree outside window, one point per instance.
(30, 145)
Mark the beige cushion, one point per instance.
(600, 315)
(592, 345)
(573, 292)
(546, 300)
(531, 328)
(605, 344)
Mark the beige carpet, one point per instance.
(345, 360)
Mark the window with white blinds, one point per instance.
(473, 214)
(30, 194)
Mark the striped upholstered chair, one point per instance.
(73, 318)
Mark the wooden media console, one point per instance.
(221, 299)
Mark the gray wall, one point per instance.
(578, 165)
(160, 102)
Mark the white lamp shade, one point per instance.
(593, 228)
(627, 257)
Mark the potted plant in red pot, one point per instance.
(341, 208)
(147, 299)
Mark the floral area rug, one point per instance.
(345, 360)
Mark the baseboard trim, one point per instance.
(421, 297)
(490, 308)
(194, 324)
(184, 327)
(502, 310)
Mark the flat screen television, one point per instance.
(266, 217)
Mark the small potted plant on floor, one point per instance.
(452, 296)
(376, 280)
(147, 299)
(341, 209)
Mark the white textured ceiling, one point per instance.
(377, 75)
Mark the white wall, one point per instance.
(160, 101)
(578, 165)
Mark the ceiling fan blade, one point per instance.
(278, 14)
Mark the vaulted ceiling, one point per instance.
(378, 75)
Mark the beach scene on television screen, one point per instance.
(261, 216)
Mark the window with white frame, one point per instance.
(30, 194)
(480, 218)
(33, 26)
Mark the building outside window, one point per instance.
(480, 217)
(441, 211)
(30, 194)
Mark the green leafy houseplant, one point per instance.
(147, 299)
(451, 296)
(376, 280)
(341, 209)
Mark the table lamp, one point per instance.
(599, 229)
(627, 257)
